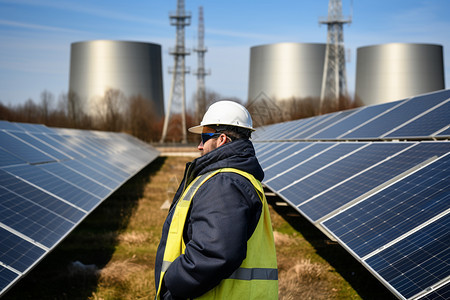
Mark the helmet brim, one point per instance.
(199, 128)
(196, 129)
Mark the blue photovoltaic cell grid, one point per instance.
(55, 185)
(333, 119)
(34, 127)
(69, 142)
(417, 261)
(274, 176)
(34, 221)
(22, 150)
(399, 115)
(368, 199)
(40, 198)
(49, 180)
(105, 178)
(295, 127)
(276, 130)
(442, 293)
(105, 167)
(339, 171)
(8, 159)
(6, 277)
(77, 179)
(291, 128)
(308, 167)
(313, 123)
(9, 126)
(17, 252)
(445, 133)
(40, 145)
(426, 125)
(58, 145)
(395, 210)
(280, 155)
(269, 149)
(370, 179)
(362, 115)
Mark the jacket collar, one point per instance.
(238, 154)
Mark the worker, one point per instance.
(217, 240)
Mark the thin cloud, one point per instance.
(36, 26)
(89, 10)
(243, 35)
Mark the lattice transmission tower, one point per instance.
(201, 73)
(180, 19)
(334, 81)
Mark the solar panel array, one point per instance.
(377, 180)
(50, 180)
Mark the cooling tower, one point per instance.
(286, 70)
(396, 71)
(134, 68)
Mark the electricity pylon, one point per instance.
(178, 90)
(200, 107)
(334, 80)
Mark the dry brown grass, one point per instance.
(305, 280)
(299, 277)
(130, 272)
(302, 275)
(123, 252)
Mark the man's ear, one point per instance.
(222, 140)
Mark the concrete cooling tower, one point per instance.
(286, 70)
(134, 68)
(396, 71)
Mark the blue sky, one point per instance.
(35, 35)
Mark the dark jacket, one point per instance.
(223, 215)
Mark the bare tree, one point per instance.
(141, 119)
(110, 110)
(75, 110)
(6, 113)
(47, 100)
(29, 112)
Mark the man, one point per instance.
(217, 240)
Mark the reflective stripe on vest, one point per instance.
(260, 264)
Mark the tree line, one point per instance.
(113, 112)
(136, 115)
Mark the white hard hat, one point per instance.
(225, 112)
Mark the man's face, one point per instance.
(210, 144)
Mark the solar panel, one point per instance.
(398, 115)
(308, 124)
(7, 158)
(269, 150)
(352, 187)
(376, 180)
(428, 249)
(425, 125)
(328, 177)
(50, 180)
(23, 150)
(445, 133)
(441, 292)
(281, 155)
(394, 210)
(279, 175)
(324, 125)
(362, 115)
(312, 159)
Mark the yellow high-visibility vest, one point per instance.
(257, 276)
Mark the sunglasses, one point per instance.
(209, 135)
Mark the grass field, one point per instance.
(111, 254)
